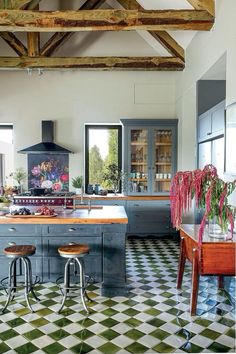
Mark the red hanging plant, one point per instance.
(210, 193)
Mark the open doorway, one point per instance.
(6, 153)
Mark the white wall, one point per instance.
(72, 98)
(203, 52)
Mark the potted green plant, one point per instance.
(113, 176)
(19, 176)
(77, 183)
(4, 202)
(210, 193)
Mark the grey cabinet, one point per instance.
(150, 155)
(149, 217)
(24, 235)
(211, 123)
(59, 235)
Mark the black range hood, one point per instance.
(47, 146)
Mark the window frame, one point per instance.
(117, 127)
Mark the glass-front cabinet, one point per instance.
(150, 153)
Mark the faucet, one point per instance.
(82, 196)
(65, 201)
(89, 205)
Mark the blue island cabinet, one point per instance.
(105, 262)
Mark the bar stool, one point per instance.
(75, 254)
(19, 254)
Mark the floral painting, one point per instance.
(49, 171)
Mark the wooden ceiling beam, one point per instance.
(208, 5)
(95, 63)
(163, 37)
(13, 4)
(104, 20)
(59, 38)
(33, 5)
(14, 43)
(33, 44)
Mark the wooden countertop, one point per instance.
(111, 196)
(105, 215)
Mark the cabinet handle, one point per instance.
(12, 229)
(136, 204)
(71, 229)
(209, 133)
(137, 216)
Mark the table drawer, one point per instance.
(73, 230)
(20, 230)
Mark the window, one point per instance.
(102, 148)
(6, 152)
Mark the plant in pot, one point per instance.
(4, 202)
(113, 176)
(210, 193)
(19, 176)
(77, 183)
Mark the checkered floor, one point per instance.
(153, 319)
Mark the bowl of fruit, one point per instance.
(45, 211)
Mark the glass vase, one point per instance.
(215, 230)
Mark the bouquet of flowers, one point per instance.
(210, 193)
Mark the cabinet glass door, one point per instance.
(163, 160)
(138, 160)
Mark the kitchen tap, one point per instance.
(89, 204)
(82, 196)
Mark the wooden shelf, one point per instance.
(138, 179)
(163, 144)
(139, 163)
(163, 163)
(139, 143)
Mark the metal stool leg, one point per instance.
(82, 283)
(31, 289)
(66, 283)
(27, 284)
(11, 278)
(85, 292)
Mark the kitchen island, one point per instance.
(103, 230)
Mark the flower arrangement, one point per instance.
(210, 193)
(49, 172)
(19, 175)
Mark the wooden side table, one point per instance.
(213, 257)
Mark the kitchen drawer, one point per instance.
(150, 228)
(157, 206)
(109, 202)
(72, 230)
(51, 244)
(20, 230)
(35, 241)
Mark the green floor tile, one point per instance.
(202, 322)
(48, 303)
(160, 334)
(136, 348)
(150, 302)
(16, 322)
(109, 348)
(231, 333)
(3, 348)
(62, 322)
(60, 334)
(163, 348)
(218, 348)
(209, 333)
(44, 312)
(191, 348)
(109, 312)
(26, 348)
(84, 334)
(22, 312)
(134, 334)
(133, 322)
(10, 333)
(36, 333)
(54, 348)
(52, 295)
(81, 348)
(109, 334)
(152, 312)
(156, 322)
(86, 322)
(109, 322)
(39, 322)
(131, 312)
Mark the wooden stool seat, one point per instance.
(20, 250)
(73, 249)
